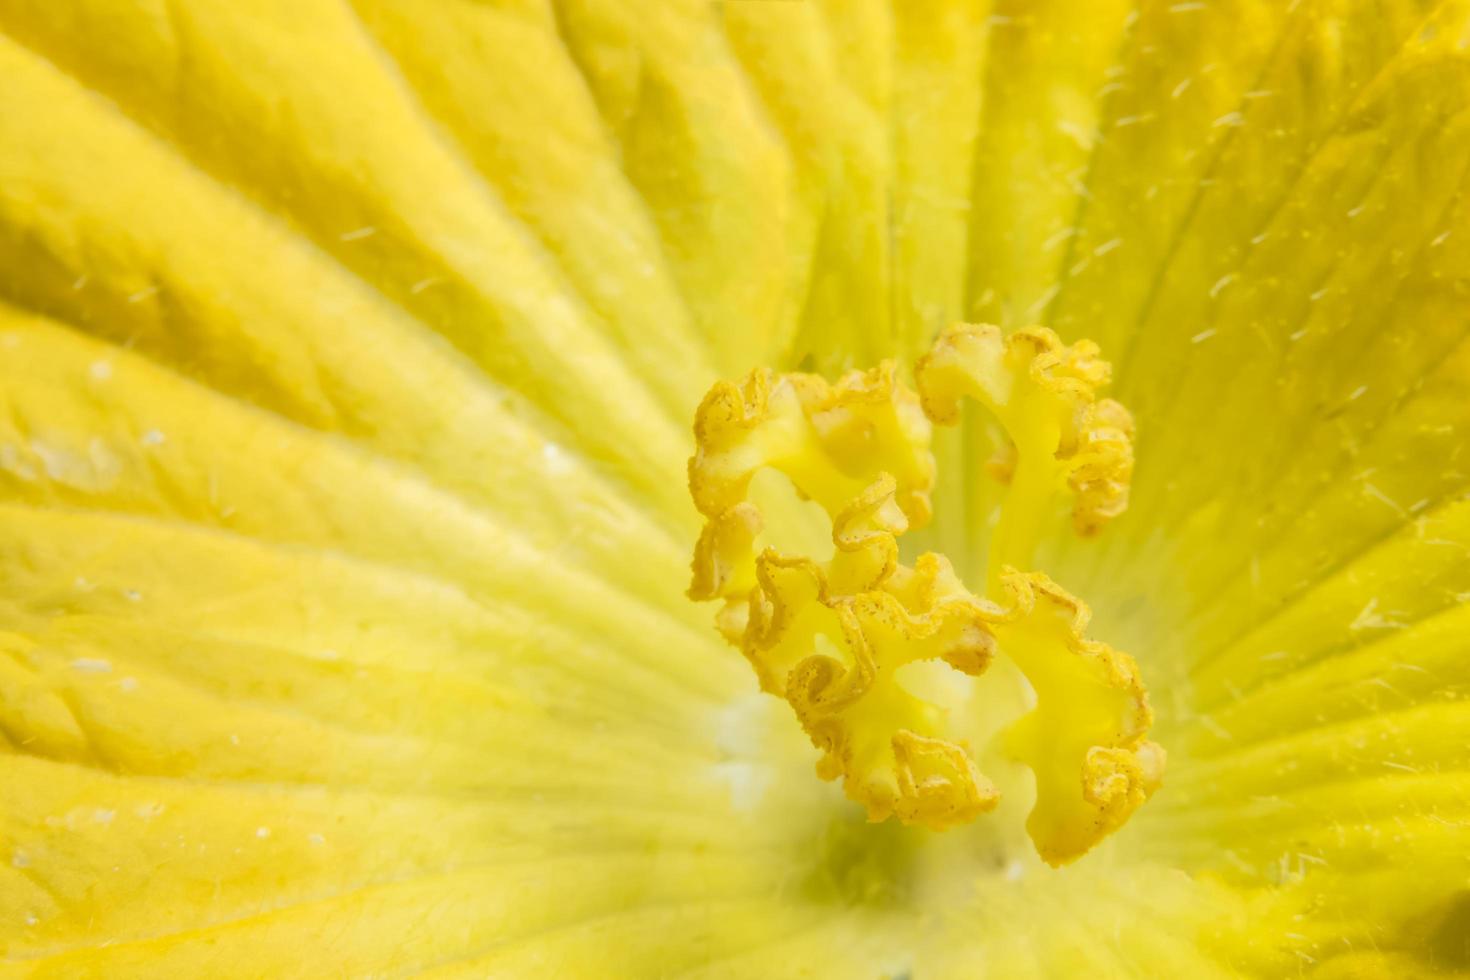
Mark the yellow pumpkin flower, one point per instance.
(1078, 478)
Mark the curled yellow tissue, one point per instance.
(831, 636)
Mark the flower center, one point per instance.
(832, 636)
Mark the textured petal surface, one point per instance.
(347, 355)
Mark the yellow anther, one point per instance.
(836, 659)
(722, 567)
(831, 637)
(834, 443)
(1044, 394)
(1101, 466)
(1085, 739)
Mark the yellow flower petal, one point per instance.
(346, 357)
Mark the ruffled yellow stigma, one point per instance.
(1062, 437)
(834, 443)
(1091, 717)
(831, 636)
